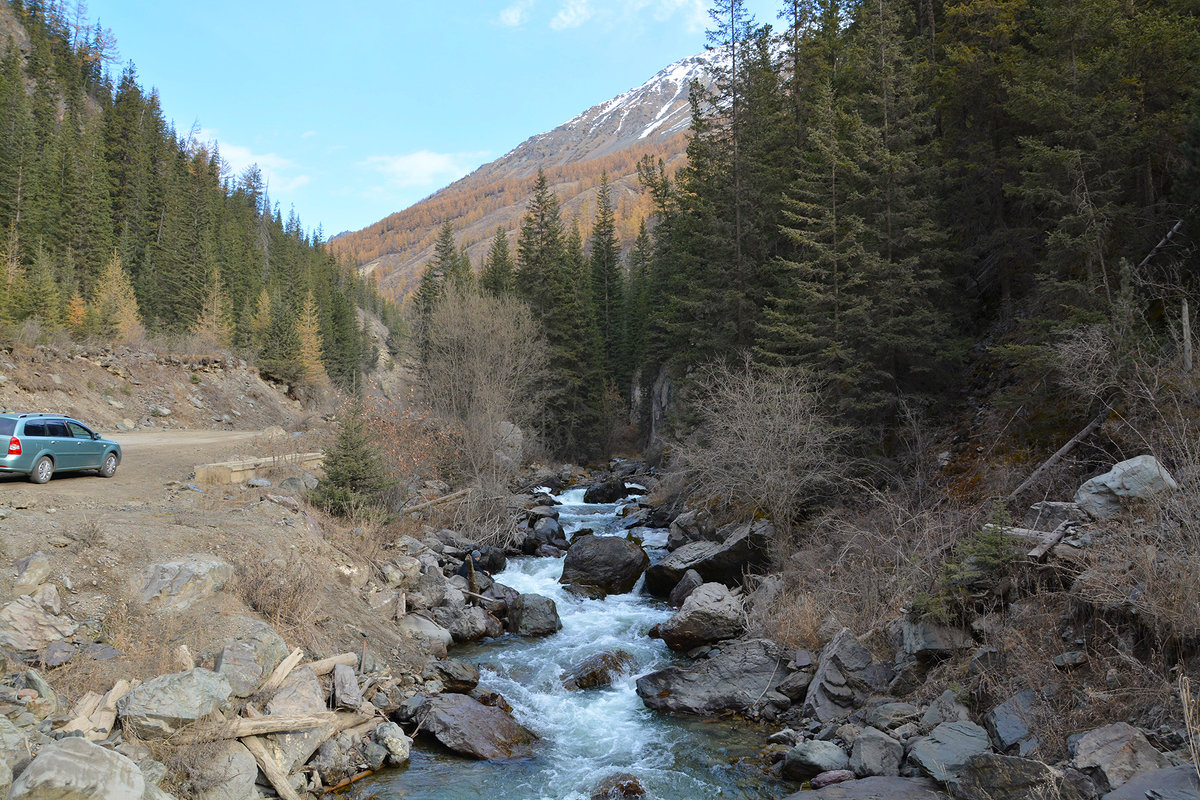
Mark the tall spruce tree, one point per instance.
(607, 287)
(496, 278)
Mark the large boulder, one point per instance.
(741, 547)
(1136, 479)
(690, 526)
(597, 670)
(809, 759)
(180, 583)
(465, 623)
(690, 581)
(533, 615)
(420, 627)
(875, 753)
(163, 705)
(467, 726)
(1169, 783)
(301, 693)
(846, 676)
(228, 772)
(734, 679)
(76, 769)
(876, 789)
(609, 491)
(710, 614)
(944, 753)
(25, 625)
(1115, 753)
(608, 563)
(989, 776)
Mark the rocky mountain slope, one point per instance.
(611, 137)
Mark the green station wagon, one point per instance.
(41, 444)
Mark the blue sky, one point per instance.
(358, 109)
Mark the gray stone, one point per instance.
(293, 484)
(533, 615)
(1047, 515)
(609, 563)
(597, 670)
(32, 571)
(300, 694)
(733, 679)
(809, 759)
(833, 776)
(1133, 480)
(392, 737)
(26, 626)
(76, 769)
(875, 753)
(1008, 724)
(944, 708)
(608, 491)
(437, 638)
(58, 653)
(795, 685)
(163, 705)
(687, 584)
(1170, 783)
(876, 789)
(710, 614)
(927, 640)
(690, 526)
(258, 483)
(14, 745)
(346, 693)
(989, 776)
(181, 583)
(985, 660)
(889, 716)
(456, 676)
(741, 548)
(465, 623)
(944, 752)
(846, 675)
(228, 773)
(1115, 753)
(47, 597)
(468, 727)
(237, 664)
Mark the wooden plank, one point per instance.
(279, 675)
(270, 768)
(258, 726)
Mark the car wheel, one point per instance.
(109, 467)
(42, 470)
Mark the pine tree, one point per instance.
(355, 475)
(496, 278)
(114, 307)
(215, 321)
(607, 287)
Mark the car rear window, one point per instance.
(7, 426)
(35, 428)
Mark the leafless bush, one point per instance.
(485, 357)
(282, 590)
(763, 442)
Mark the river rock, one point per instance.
(742, 547)
(597, 670)
(690, 526)
(465, 623)
(1008, 724)
(687, 584)
(1170, 783)
(301, 693)
(163, 705)
(609, 563)
(32, 571)
(710, 614)
(876, 789)
(944, 753)
(1115, 753)
(181, 583)
(15, 746)
(26, 626)
(533, 615)
(989, 776)
(76, 769)
(733, 679)
(609, 491)
(618, 787)
(456, 676)
(1133, 480)
(846, 676)
(437, 638)
(466, 726)
(227, 772)
(809, 759)
(875, 753)
(392, 737)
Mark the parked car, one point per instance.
(40, 445)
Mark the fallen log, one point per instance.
(239, 727)
(437, 501)
(1062, 451)
(279, 675)
(270, 768)
(326, 665)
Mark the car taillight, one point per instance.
(14, 446)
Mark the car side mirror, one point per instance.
(96, 436)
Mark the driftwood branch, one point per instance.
(270, 768)
(326, 665)
(1036, 475)
(272, 684)
(437, 501)
(240, 727)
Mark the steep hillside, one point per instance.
(611, 137)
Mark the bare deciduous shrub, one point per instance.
(763, 442)
(281, 589)
(414, 445)
(485, 357)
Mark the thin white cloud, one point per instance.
(572, 14)
(308, 134)
(278, 171)
(514, 15)
(424, 168)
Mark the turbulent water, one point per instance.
(585, 735)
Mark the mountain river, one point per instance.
(586, 736)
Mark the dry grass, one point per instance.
(284, 589)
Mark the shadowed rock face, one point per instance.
(740, 547)
(467, 726)
(597, 670)
(732, 680)
(608, 563)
